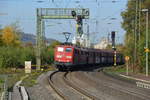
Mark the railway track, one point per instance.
(123, 87)
(55, 88)
(77, 92)
(83, 92)
(137, 92)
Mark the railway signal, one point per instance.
(113, 46)
(113, 39)
(79, 26)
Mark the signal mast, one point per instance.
(79, 39)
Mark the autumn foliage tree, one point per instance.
(9, 37)
(13, 53)
(1, 42)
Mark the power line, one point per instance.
(110, 16)
(67, 4)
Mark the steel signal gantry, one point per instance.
(56, 13)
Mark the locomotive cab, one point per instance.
(63, 56)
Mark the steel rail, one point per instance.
(141, 95)
(60, 94)
(78, 89)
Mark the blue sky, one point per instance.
(24, 11)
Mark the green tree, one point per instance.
(54, 44)
(48, 53)
(129, 26)
(15, 57)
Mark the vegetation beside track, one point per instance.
(12, 76)
(14, 52)
(32, 78)
(121, 69)
(117, 69)
(134, 45)
(1, 84)
(9, 77)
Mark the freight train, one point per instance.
(67, 57)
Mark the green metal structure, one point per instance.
(54, 13)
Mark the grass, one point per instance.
(115, 70)
(4, 71)
(13, 75)
(32, 78)
(1, 84)
(9, 80)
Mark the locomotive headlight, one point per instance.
(69, 57)
(58, 56)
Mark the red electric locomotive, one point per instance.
(69, 56)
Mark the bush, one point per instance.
(48, 53)
(15, 57)
(47, 56)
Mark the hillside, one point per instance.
(26, 37)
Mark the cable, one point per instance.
(67, 4)
(110, 16)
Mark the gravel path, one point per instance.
(42, 91)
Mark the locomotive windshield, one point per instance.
(68, 49)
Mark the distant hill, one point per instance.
(26, 37)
